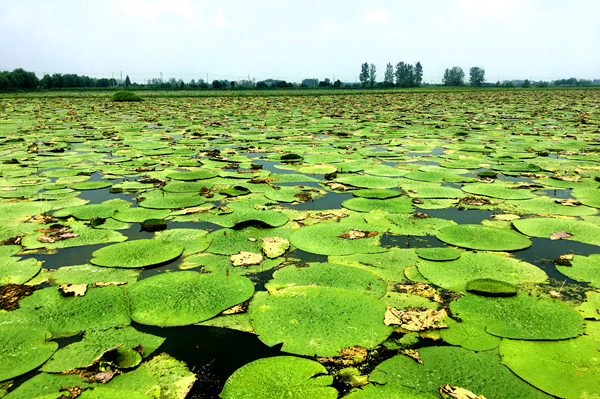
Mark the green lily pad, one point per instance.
(317, 169)
(138, 253)
(172, 201)
(174, 377)
(235, 191)
(328, 275)
(193, 240)
(469, 336)
(15, 271)
(279, 377)
(587, 196)
(438, 254)
(365, 181)
(479, 372)
(267, 217)
(46, 386)
(454, 275)
(568, 369)
(485, 238)
(490, 287)
(388, 265)
(186, 297)
(249, 239)
(583, 268)
(90, 274)
(520, 317)
(187, 187)
(325, 239)
(408, 223)
(138, 215)
(98, 309)
(381, 193)
(85, 352)
(392, 205)
(588, 233)
(497, 190)
(90, 185)
(84, 235)
(196, 175)
(320, 320)
(390, 390)
(90, 211)
(23, 349)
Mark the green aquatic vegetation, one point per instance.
(320, 320)
(90, 274)
(588, 233)
(486, 238)
(497, 190)
(520, 317)
(438, 254)
(455, 275)
(583, 268)
(393, 205)
(469, 336)
(138, 215)
(279, 377)
(23, 349)
(336, 239)
(389, 264)
(479, 372)
(138, 253)
(568, 369)
(328, 275)
(193, 240)
(185, 297)
(490, 287)
(16, 271)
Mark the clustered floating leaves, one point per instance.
(368, 219)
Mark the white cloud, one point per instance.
(152, 10)
(378, 16)
(491, 8)
(220, 20)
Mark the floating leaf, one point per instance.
(324, 239)
(320, 320)
(23, 349)
(182, 298)
(138, 253)
(487, 238)
(588, 233)
(279, 377)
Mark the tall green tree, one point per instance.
(127, 81)
(388, 76)
(454, 77)
(364, 74)
(418, 74)
(372, 75)
(476, 76)
(405, 75)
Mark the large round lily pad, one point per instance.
(172, 201)
(279, 377)
(320, 320)
(588, 233)
(328, 275)
(392, 205)
(327, 239)
(454, 275)
(194, 240)
(583, 268)
(138, 215)
(15, 271)
(469, 335)
(438, 254)
(568, 369)
(187, 297)
(520, 317)
(138, 253)
(195, 175)
(497, 190)
(486, 238)
(23, 349)
(479, 372)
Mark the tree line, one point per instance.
(405, 75)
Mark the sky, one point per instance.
(292, 40)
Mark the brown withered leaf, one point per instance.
(563, 260)
(420, 215)
(414, 319)
(412, 353)
(39, 218)
(475, 201)
(246, 259)
(73, 289)
(10, 294)
(188, 211)
(239, 308)
(355, 234)
(45, 238)
(336, 186)
(567, 202)
(560, 235)
(103, 376)
(447, 390)
(16, 240)
(569, 178)
(74, 392)
(101, 284)
(348, 356)
(419, 289)
(274, 246)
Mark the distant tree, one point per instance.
(181, 84)
(526, 84)
(127, 81)
(216, 84)
(364, 74)
(388, 76)
(454, 77)
(542, 84)
(476, 76)
(325, 83)
(337, 84)
(405, 75)
(372, 75)
(310, 82)
(508, 84)
(232, 84)
(418, 74)
(261, 85)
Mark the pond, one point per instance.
(335, 246)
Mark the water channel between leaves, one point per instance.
(312, 246)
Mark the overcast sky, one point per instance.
(293, 40)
